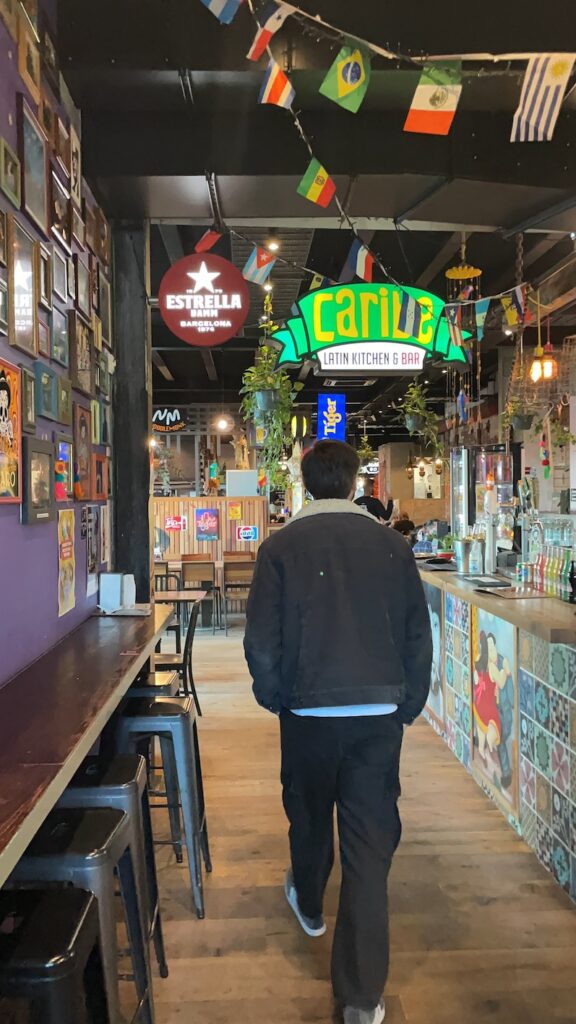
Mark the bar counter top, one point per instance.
(52, 713)
(546, 617)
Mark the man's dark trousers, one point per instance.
(352, 763)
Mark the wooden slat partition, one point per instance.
(254, 513)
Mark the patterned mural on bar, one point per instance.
(547, 700)
(458, 694)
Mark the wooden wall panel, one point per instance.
(254, 513)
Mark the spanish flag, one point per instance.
(317, 185)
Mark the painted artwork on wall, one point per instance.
(83, 452)
(207, 524)
(458, 710)
(66, 562)
(23, 301)
(495, 730)
(435, 704)
(10, 434)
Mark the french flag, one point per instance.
(270, 19)
(362, 260)
(276, 87)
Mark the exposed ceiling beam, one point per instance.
(362, 223)
(161, 365)
(208, 360)
(439, 261)
(172, 240)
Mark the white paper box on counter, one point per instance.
(117, 590)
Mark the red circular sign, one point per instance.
(204, 300)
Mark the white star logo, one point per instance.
(21, 277)
(203, 278)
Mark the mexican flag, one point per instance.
(435, 100)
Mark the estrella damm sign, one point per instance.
(375, 328)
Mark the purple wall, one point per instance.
(29, 623)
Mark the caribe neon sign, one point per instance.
(355, 328)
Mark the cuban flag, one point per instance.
(258, 265)
(410, 316)
(224, 10)
(361, 260)
(276, 87)
(270, 19)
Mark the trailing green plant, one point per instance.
(424, 421)
(560, 435)
(366, 452)
(264, 376)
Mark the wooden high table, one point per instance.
(52, 713)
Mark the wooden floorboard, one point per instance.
(480, 931)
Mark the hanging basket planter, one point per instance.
(266, 401)
(522, 420)
(414, 423)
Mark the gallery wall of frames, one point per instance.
(56, 351)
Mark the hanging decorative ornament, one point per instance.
(545, 456)
(536, 372)
(410, 467)
(462, 404)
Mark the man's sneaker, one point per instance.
(313, 926)
(352, 1016)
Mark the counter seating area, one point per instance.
(76, 810)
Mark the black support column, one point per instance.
(132, 404)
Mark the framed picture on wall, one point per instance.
(81, 354)
(104, 375)
(46, 392)
(22, 329)
(60, 213)
(44, 275)
(44, 346)
(103, 240)
(90, 226)
(105, 424)
(97, 328)
(60, 342)
(95, 414)
(63, 146)
(3, 307)
(64, 469)
(9, 12)
(95, 282)
(75, 168)
(64, 394)
(3, 239)
(99, 477)
(60, 274)
(71, 278)
(83, 453)
(83, 295)
(47, 117)
(10, 434)
(28, 381)
(34, 168)
(78, 229)
(31, 12)
(49, 55)
(10, 174)
(39, 504)
(29, 58)
(105, 302)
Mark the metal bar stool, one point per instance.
(50, 956)
(173, 721)
(122, 784)
(86, 847)
(182, 663)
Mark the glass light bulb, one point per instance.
(536, 372)
(549, 368)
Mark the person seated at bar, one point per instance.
(404, 525)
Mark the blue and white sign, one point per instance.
(331, 417)
(248, 533)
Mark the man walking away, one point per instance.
(338, 644)
(373, 505)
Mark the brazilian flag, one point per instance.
(347, 81)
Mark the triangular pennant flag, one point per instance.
(318, 281)
(435, 100)
(410, 316)
(276, 87)
(258, 265)
(513, 306)
(542, 93)
(224, 10)
(480, 312)
(348, 78)
(317, 185)
(454, 319)
(208, 240)
(270, 19)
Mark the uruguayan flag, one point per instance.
(542, 93)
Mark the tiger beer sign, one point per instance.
(369, 328)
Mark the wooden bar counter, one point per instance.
(52, 713)
(546, 617)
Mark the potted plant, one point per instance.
(366, 452)
(268, 396)
(415, 411)
(516, 415)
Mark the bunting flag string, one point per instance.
(480, 312)
(347, 80)
(224, 10)
(270, 19)
(435, 100)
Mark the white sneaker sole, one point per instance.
(292, 898)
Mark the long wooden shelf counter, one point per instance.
(546, 617)
(52, 713)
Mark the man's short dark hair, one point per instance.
(329, 469)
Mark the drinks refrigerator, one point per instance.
(459, 491)
(470, 469)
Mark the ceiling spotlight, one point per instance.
(152, 443)
(224, 423)
(444, 371)
(268, 287)
(508, 332)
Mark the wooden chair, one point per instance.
(165, 582)
(183, 663)
(239, 556)
(200, 574)
(160, 568)
(237, 579)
